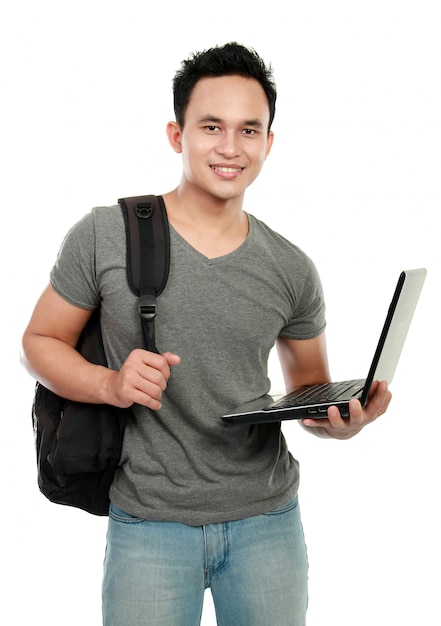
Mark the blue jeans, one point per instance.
(155, 573)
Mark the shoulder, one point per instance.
(272, 244)
(106, 218)
(266, 234)
(291, 264)
(99, 219)
(98, 233)
(100, 229)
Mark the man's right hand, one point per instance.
(142, 379)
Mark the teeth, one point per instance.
(227, 170)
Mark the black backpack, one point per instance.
(78, 444)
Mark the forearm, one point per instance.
(60, 368)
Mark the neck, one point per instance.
(190, 199)
(194, 206)
(212, 226)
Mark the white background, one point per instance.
(353, 178)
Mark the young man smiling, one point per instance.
(196, 504)
(224, 142)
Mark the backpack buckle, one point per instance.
(144, 210)
(147, 307)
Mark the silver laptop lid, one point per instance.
(396, 326)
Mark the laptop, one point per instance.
(313, 401)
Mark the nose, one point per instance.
(228, 144)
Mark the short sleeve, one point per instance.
(73, 275)
(308, 318)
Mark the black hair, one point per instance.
(227, 60)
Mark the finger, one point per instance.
(355, 412)
(153, 382)
(172, 359)
(315, 423)
(379, 401)
(335, 418)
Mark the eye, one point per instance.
(249, 131)
(211, 128)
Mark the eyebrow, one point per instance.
(256, 123)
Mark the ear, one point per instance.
(174, 136)
(269, 143)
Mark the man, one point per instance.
(196, 503)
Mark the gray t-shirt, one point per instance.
(222, 317)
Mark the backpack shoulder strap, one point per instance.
(148, 255)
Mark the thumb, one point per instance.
(172, 359)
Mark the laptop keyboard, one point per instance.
(327, 392)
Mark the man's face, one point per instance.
(225, 139)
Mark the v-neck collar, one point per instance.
(219, 259)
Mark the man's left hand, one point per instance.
(338, 427)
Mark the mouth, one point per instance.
(227, 171)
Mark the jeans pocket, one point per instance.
(119, 515)
(285, 507)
